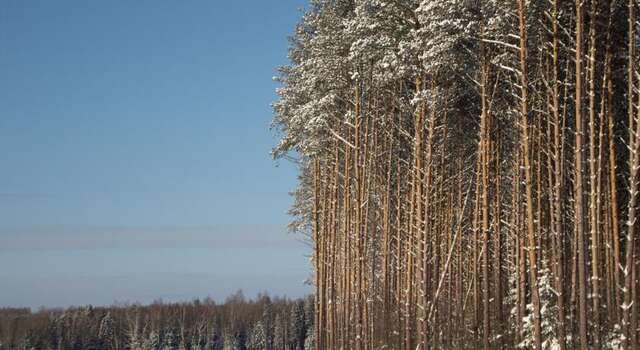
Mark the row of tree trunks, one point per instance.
(486, 202)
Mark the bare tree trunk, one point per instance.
(594, 194)
(558, 181)
(484, 156)
(533, 270)
(578, 189)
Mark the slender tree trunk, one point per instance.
(578, 189)
(533, 270)
(594, 194)
(558, 181)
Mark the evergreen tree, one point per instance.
(279, 334)
(298, 327)
(257, 339)
(153, 341)
(170, 340)
(106, 334)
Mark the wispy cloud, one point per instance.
(16, 195)
(65, 237)
(54, 291)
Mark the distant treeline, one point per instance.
(237, 324)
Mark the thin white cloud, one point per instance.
(67, 237)
(10, 195)
(55, 291)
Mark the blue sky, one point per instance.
(135, 151)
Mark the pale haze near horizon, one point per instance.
(135, 162)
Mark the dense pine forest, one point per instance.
(237, 324)
(468, 171)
